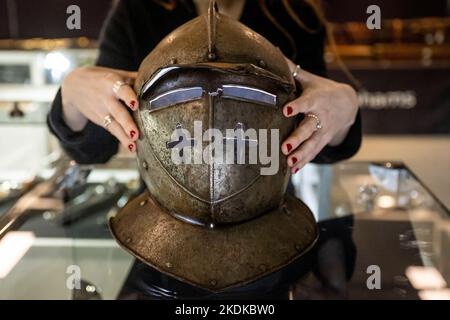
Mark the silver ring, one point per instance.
(297, 69)
(107, 121)
(117, 85)
(318, 122)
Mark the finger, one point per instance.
(123, 117)
(290, 63)
(302, 104)
(130, 81)
(124, 74)
(303, 132)
(116, 130)
(128, 96)
(307, 151)
(131, 75)
(303, 76)
(124, 92)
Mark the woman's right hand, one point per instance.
(87, 94)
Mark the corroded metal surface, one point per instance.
(220, 258)
(234, 43)
(213, 222)
(217, 193)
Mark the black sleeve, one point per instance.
(91, 145)
(94, 144)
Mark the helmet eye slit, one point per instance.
(176, 96)
(249, 94)
(228, 91)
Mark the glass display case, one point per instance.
(382, 235)
(29, 80)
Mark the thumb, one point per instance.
(303, 76)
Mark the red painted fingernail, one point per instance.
(132, 103)
(130, 147)
(132, 133)
(294, 160)
(289, 147)
(296, 170)
(289, 110)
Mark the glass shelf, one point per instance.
(370, 215)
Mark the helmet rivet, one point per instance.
(143, 203)
(262, 64)
(144, 165)
(211, 225)
(168, 265)
(211, 56)
(262, 267)
(128, 240)
(213, 282)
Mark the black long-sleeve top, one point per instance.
(135, 27)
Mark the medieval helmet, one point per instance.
(213, 224)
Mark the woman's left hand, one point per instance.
(332, 106)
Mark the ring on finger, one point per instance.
(296, 70)
(107, 121)
(315, 117)
(117, 85)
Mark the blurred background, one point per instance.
(402, 71)
(54, 214)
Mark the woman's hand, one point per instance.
(334, 104)
(87, 94)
